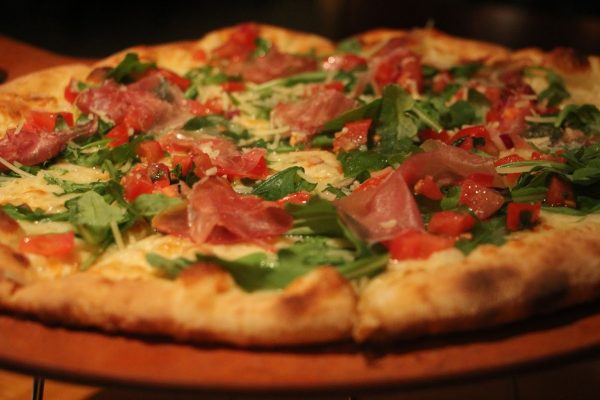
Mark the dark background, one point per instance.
(94, 29)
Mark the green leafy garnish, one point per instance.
(282, 184)
(351, 45)
(491, 231)
(128, 67)
(356, 162)
(149, 205)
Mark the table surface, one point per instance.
(567, 333)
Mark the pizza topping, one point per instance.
(450, 223)
(311, 114)
(58, 245)
(483, 201)
(217, 214)
(522, 216)
(34, 143)
(240, 44)
(560, 193)
(271, 66)
(380, 213)
(352, 136)
(415, 244)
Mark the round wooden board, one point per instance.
(90, 356)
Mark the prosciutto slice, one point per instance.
(217, 214)
(29, 146)
(382, 212)
(446, 164)
(309, 115)
(271, 66)
(140, 105)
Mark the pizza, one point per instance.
(264, 187)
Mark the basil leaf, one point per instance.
(370, 110)
(351, 45)
(129, 66)
(149, 205)
(492, 231)
(356, 162)
(282, 184)
(92, 216)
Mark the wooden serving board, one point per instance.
(95, 357)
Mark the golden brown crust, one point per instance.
(535, 273)
(317, 307)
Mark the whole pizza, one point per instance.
(263, 187)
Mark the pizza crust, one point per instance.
(535, 272)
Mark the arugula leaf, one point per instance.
(480, 104)
(554, 94)
(351, 45)
(262, 47)
(394, 123)
(72, 187)
(357, 162)
(492, 231)
(306, 77)
(92, 216)
(169, 268)
(585, 118)
(370, 110)
(317, 217)
(283, 183)
(451, 200)
(459, 114)
(149, 205)
(465, 71)
(129, 66)
(25, 213)
(339, 193)
(429, 71)
(223, 125)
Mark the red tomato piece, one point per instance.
(486, 180)
(451, 223)
(199, 55)
(184, 161)
(374, 180)
(483, 201)
(353, 135)
(71, 91)
(413, 244)
(440, 81)
(149, 151)
(202, 163)
(295, 198)
(429, 133)
(136, 187)
(179, 81)
(233, 86)
(212, 106)
(428, 188)
(522, 215)
(536, 155)
(241, 43)
(119, 135)
(560, 193)
(474, 137)
(510, 179)
(58, 245)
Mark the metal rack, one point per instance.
(37, 391)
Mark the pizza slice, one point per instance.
(265, 187)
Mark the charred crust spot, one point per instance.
(570, 60)
(547, 289)
(485, 282)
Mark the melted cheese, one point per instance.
(320, 167)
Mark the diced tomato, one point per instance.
(150, 151)
(295, 198)
(522, 215)
(560, 193)
(41, 121)
(536, 155)
(374, 180)
(212, 106)
(136, 187)
(353, 135)
(413, 244)
(440, 81)
(348, 62)
(202, 163)
(428, 188)
(493, 93)
(334, 85)
(451, 223)
(510, 179)
(138, 119)
(199, 55)
(474, 137)
(403, 68)
(483, 201)
(119, 135)
(58, 245)
(241, 43)
(71, 91)
(184, 161)
(429, 133)
(233, 86)
(486, 180)
(159, 175)
(179, 81)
